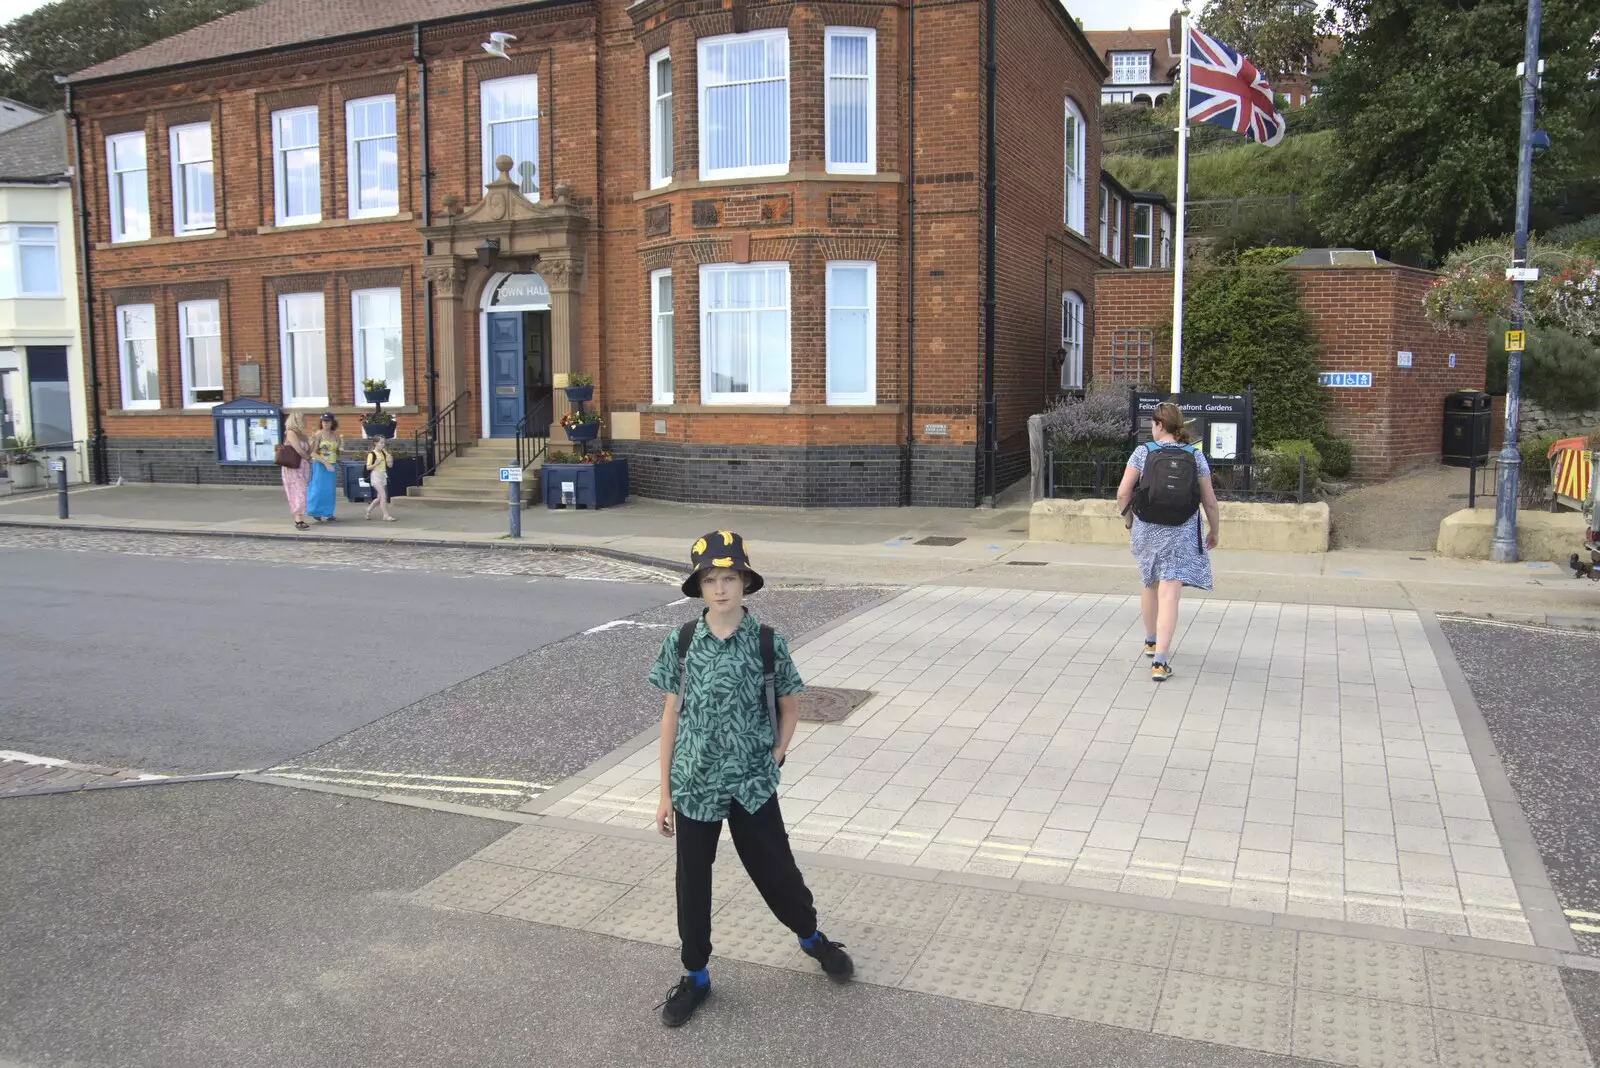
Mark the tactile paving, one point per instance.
(1488, 986)
(1001, 919)
(1099, 991)
(1358, 1031)
(749, 932)
(908, 904)
(882, 954)
(643, 914)
(615, 860)
(562, 900)
(475, 886)
(1362, 968)
(1103, 932)
(1234, 1013)
(1467, 1041)
(534, 847)
(829, 886)
(1234, 951)
(975, 971)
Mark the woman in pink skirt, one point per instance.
(295, 479)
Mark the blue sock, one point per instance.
(1161, 658)
(811, 941)
(1149, 639)
(701, 977)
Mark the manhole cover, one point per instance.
(824, 704)
(940, 539)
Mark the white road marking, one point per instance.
(615, 623)
(411, 775)
(391, 785)
(30, 758)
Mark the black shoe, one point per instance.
(682, 1000)
(831, 955)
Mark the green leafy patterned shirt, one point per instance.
(724, 745)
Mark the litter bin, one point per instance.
(404, 472)
(1466, 429)
(353, 473)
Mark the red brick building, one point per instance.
(1392, 368)
(759, 226)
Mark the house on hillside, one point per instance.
(761, 227)
(41, 364)
(1144, 65)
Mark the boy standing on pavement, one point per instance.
(720, 753)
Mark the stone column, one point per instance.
(565, 279)
(448, 278)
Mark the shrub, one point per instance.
(1092, 427)
(1244, 327)
(1282, 462)
(1337, 456)
(1536, 455)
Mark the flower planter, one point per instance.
(579, 394)
(24, 476)
(378, 396)
(583, 432)
(372, 430)
(593, 485)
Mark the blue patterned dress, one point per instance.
(1167, 553)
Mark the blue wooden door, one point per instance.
(505, 374)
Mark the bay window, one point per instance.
(661, 367)
(1142, 234)
(852, 332)
(744, 105)
(744, 333)
(1071, 340)
(660, 119)
(1130, 68)
(850, 57)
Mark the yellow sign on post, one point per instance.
(1515, 340)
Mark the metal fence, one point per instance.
(1533, 487)
(1078, 479)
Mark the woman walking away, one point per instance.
(378, 474)
(324, 465)
(296, 450)
(1167, 482)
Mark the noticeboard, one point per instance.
(248, 432)
(1220, 423)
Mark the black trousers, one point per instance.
(763, 847)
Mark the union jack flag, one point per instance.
(1225, 89)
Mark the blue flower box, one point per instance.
(601, 485)
(583, 431)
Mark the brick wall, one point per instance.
(1363, 317)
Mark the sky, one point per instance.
(1096, 14)
(10, 9)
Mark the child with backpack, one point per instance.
(731, 708)
(1166, 484)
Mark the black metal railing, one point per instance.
(533, 432)
(443, 435)
(1533, 486)
(1087, 479)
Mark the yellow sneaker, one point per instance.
(1149, 648)
(1160, 672)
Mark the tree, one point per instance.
(1425, 102)
(1278, 36)
(70, 35)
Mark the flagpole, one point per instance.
(1183, 191)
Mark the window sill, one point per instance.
(315, 409)
(210, 235)
(799, 173)
(771, 409)
(334, 224)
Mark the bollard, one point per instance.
(60, 468)
(514, 493)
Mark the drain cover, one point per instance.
(824, 704)
(940, 539)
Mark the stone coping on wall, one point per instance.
(1284, 528)
(1551, 537)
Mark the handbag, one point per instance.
(286, 455)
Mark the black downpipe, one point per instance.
(909, 448)
(98, 466)
(991, 442)
(431, 373)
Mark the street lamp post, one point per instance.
(1503, 547)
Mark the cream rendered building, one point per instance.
(42, 390)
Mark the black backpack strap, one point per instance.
(769, 676)
(685, 637)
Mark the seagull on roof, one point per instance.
(496, 44)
